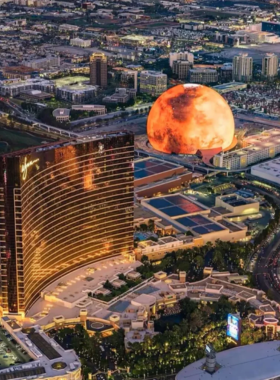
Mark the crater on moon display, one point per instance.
(187, 118)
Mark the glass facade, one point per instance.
(65, 206)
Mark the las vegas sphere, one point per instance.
(190, 117)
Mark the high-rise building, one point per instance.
(62, 206)
(181, 68)
(242, 68)
(98, 69)
(270, 64)
(129, 79)
(181, 56)
(153, 82)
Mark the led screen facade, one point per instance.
(234, 328)
(187, 118)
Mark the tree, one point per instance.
(199, 261)
(151, 225)
(143, 227)
(270, 294)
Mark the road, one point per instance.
(263, 270)
(108, 116)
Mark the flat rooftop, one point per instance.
(259, 361)
(49, 358)
(271, 167)
(176, 205)
(255, 143)
(236, 200)
(151, 166)
(68, 81)
(74, 288)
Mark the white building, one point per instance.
(270, 64)
(61, 114)
(181, 56)
(242, 68)
(256, 148)
(99, 109)
(80, 42)
(68, 28)
(269, 170)
(153, 82)
(49, 359)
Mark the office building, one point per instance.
(181, 56)
(46, 360)
(270, 64)
(203, 76)
(98, 69)
(63, 205)
(242, 68)
(181, 68)
(153, 82)
(129, 78)
(255, 148)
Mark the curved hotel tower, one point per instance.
(62, 206)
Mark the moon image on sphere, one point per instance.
(190, 117)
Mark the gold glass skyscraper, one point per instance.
(98, 69)
(62, 206)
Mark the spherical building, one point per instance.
(190, 117)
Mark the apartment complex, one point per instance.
(153, 82)
(270, 64)
(63, 205)
(14, 87)
(242, 68)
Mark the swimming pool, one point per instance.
(140, 235)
